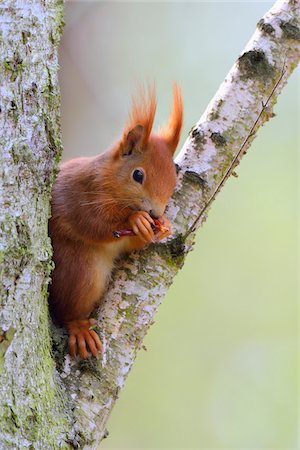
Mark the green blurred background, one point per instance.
(221, 366)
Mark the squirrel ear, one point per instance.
(132, 139)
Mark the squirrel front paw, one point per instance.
(141, 223)
(83, 340)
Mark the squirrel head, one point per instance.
(143, 161)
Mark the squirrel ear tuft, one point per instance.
(171, 132)
(132, 140)
(141, 117)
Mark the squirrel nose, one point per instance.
(157, 212)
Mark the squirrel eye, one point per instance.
(138, 176)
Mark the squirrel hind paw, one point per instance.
(83, 340)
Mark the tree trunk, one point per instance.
(32, 414)
(44, 408)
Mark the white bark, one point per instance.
(242, 104)
(41, 408)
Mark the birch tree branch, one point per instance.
(243, 103)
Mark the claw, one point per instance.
(83, 340)
(158, 226)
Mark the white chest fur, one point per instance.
(105, 256)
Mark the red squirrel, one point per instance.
(127, 186)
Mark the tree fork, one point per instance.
(243, 103)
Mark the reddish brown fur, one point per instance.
(94, 196)
(171, 133)
(142, 112)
